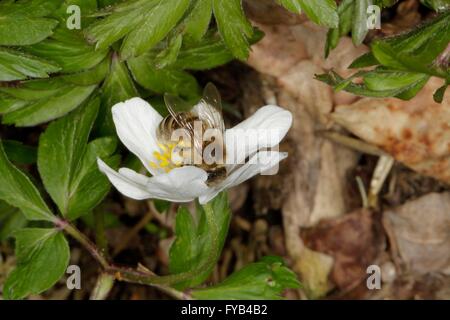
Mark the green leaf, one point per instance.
(198, 20)
(11, 219)
(16, 65)
(437, 5)
(69, 49)
(34, 89)
(17, 190)
(161, 205)
(42, 259)
(57, 105)
(106, 3)
(9, 104)
(19, 153)
(24, 22)
(416, 50)
(292, 5)
(89, 77)
(380, 80)
(208, 53)
(234, 27)
(21, 30)
(156, 26)
(413, 88)
(359, 28)
(405, 63)
(260, 280)
(67, 163)
(438, 96)
(61, 149)
(345, 12)
(91, 186)
(193, 247)
(31, 8)
(404, 89)
(169, 55)
(167, 80)
(323, 12)
(385, 3)
(366, 60)
(121, 20)
(118, 86)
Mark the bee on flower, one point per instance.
(190, 154)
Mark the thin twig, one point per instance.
(352, 143)
(146, 278)
(149, 278)
(362, 191)
(85, 242)
(123, 273)
(382, 169)
(134, 232)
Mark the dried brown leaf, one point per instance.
(415, 132)
(419, 232)
(354, 241)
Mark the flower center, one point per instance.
(167, 158)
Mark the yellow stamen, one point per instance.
(163, 157)
(164, 163)
(163, 147)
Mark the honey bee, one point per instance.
(207, 114)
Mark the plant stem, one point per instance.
(148, 278)
(172, 279)
(102, 287)
(81, 238)
(112, 272)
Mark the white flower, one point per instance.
(136, 124)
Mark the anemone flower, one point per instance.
(249, 145)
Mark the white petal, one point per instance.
(135, 189)
(136, 122)
(264, 129)
(258, 163)
(179, 185)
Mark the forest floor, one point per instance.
(314, 212)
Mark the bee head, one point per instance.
(216, 175)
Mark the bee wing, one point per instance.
(177, 109)
(209, 109)
(175, 106)
(212, 96)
